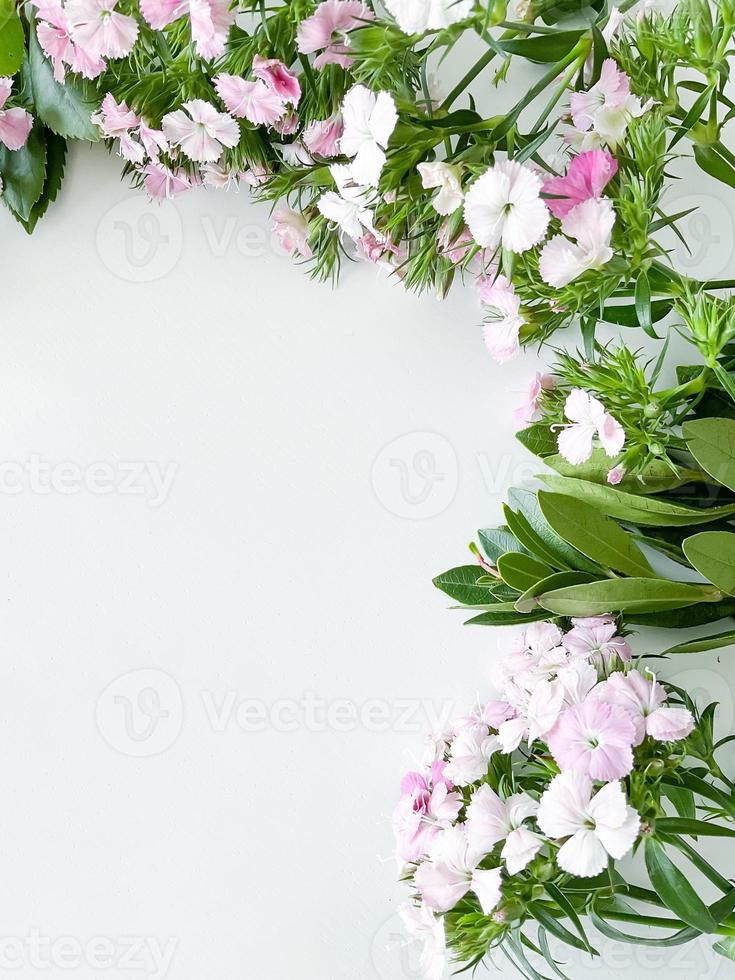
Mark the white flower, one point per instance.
(504, 206)
(351, 208)
(446, 177)
(593, 826)
(369, 120)
(490, 819)
(417, 16)
(604, 111)
(502, 331)
(428, 929)
(591, 224)
(452, 871)
(469, 754)
(588, 418)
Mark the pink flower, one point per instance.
(52, 30)
(587, 176)
(322, 137)
(490, 820)
(253, 101)
(15, 124)
(97, 28)
(588, 418)
(119, 122)
(154, 140)
(424, 809)
(594, 738)
(161, 13)
(596, 638)
(592, 827)
(161, 182)
(255, 175)
(525, 414)
(378, 250)
(469, 753)
(292, 231)
(452, 871)
(287, 124)
(644, 699)
(603, 112)
(210, 21)
(502, 332)
(325, 31)
(278, 78)
(455, 249)
(201, 131)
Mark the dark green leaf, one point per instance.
(461, 584)
(675, 889)
(714, 164)
(712, 553)
(24, 173)
(567, 557)
(713, 642)
(545, 48)
(691, 827)
(65, 109)
(55, 161)
(538, 439)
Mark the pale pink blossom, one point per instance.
(590, 225)
(210, 21)
(154, 140)
(99, 29)
(251, 100)
(644, 699)
(278, 78)
(452, 871)
(490, 820)
(15, 124)
(381, 251)
(292, 230)
(447, 177)
(287, 124)
(453, 248)
(502, 331)
(538, 711)
(587, 176)
(54, 36)
(351, 206)
(601, 115)
(369, 119)
(594, 738)
(119, 122)
(469, 754)
(596, 638)
(592, 827)
(588, 419)
(327, 28)
(526, 413)
(616, 474)
(162, 182)
(200, 130)
(219, 178)
(423, 810)
(255, 175)
(504, 206)
(322, 136)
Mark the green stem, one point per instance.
(468, 78)
(559, 94)
(712, 874)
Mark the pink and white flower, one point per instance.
(292, 230)
(322, 136)
(369, 120)
(601, 114)
(587, 177)
(644, 699)
(425, 808)
(210, 21)
(351, 206)
(588, 419)
(15, 124)
(327, 29)
(504, 206)
(490, 820)
(594, 738)
(54, 36)
(201, 131)
(99, 29)
(596, 638)
(161, 182)
(446, 177)
(278, 78)
(417, 16)
(452, 871)
(470, 752)
(251, 100)
(119, 122)
(502, 331)
(526, 413)
(590, 224)
(591, 826)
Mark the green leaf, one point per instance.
(675, 889)
(656, 477)
(490, 618)
(712, 443)
(691, 827)
(553, 926)
(626, 315)
(461, 584)
(692, 116)
(677, 939)
(559, 580)
(565, 556)
(12, 39)
(683, 800)
(704, 612)
(634, 508)
(714, 164)
(545, 48)
(65, 109)
(643, 305)
(712, 553)
(497, 541)
(24, 173)
(702, 788)
(538, 439)
(558, 896)
(622, 594)
(594, 534)
(520, 571)
(713, 642)
(55, 162)
(725, 947)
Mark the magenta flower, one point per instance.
(15, 124)
(594, 738)
(587, 176)
(278, 78)
(325, 31)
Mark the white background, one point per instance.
(331, 451)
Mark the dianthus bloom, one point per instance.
(504, 207)
(210, 21)
(594, 738)
(588, 419)
(587, 177)
(200, 130)
(15, 124)
(327, 29)
(601, 115)
(292, 230)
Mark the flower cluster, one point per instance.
(548, 782)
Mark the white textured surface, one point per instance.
(287, 560)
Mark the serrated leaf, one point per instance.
(593, 533)
(623, 595)
(675, 889)
(66, 109)
(55, 162)
(712, 553)
(24, 173)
